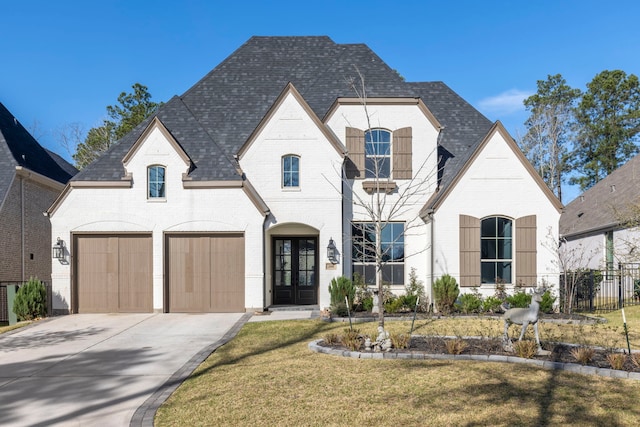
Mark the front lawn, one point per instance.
(267, 376)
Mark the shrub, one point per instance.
(339, 309)
(635, 359)
(491, 304)
(331, 338)
(525, 349)
(469, 303)
(455, 346)
(363, 300)
(520, 299)
(339, 289)
(616, 360)
(31, 300)
(400, 340)
(413, 290)
(446, 293)
(546, 305)
(394, 305)
(583, 354)
(352, 339)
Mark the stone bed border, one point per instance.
(420, 355)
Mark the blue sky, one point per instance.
(64, 61)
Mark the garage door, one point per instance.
(205, 273)
(113, 274)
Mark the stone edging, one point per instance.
(419, 355)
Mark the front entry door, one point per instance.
(295, 270)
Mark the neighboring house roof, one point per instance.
(599, 207)
(215, 118)
(19, 148)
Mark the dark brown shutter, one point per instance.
(469, 251)
(402, 153)
(526, 251)
(355, 147)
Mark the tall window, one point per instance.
(496, 247)
(156, 182)
(290, 171)
(377, 152)
(363, 246)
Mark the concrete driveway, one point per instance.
(103, 369)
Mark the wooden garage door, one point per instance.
(205, 273)
(114, 274)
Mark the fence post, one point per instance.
(620, 301)
(591, 280)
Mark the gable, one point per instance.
(498, 170)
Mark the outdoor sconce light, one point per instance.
(332, 252)
(58, 249)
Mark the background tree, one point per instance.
(549, 128)
(131, 110)
(608, 119)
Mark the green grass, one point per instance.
(267, 376)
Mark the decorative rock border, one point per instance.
(420, 355)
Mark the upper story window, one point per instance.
(156, 182)
(290, 171)
(496, 247)
(377, 153)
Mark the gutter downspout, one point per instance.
(432, 260)
(264, 261)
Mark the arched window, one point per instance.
(156, 182)
(290, 171)
(496, 249)
(377, 153)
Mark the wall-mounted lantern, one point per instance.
(58, 250)
(332, 252)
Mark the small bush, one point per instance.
(367, 304)
(455, 346)
(525, 349)
(446, 293)
(363, 294)
(395, 305)
(339, 309)
(491, 305)
(400, 340)
(414, 290)
(583, 355)
(616, 360)
(635, 359)
(339, 289)
(31, 300)
(352, 339)
(331, 338)
(469, 303)
(546, 305)
(520, 299)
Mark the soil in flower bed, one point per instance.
(486, 346)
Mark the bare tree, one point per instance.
(385, 202)
(572, 263)
(69, 136)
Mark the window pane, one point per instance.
(504, 248)
(503, 271)
(488, 272)
(489, 227)
(488, 249)
(504, 227)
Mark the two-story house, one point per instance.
(235, 194)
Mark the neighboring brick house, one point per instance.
(31, 178)
(230, 197)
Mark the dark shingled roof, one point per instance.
(595, 209)
(19, 148)
(214, 118)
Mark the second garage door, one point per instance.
(205, 273)
(113, 274)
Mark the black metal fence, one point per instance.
(602, 290)
(4, 310)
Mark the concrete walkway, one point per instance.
(103, 369)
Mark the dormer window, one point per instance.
(156, 182)
(377, 153)
(290, 171)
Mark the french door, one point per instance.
(295, 271)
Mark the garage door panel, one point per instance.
(113, 274)
(206, 273)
